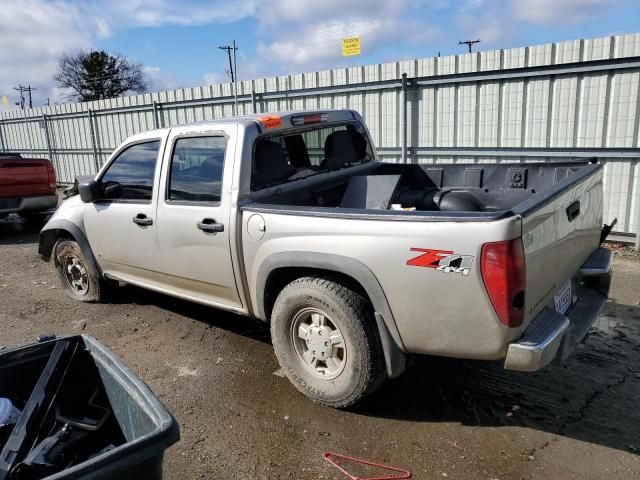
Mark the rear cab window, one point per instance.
(293, 154)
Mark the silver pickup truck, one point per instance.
(356, 264)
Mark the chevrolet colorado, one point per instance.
(355, 263)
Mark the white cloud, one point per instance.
(102, 28)
(491, 24)
(59, 95)
(498, 21)
(155, 13)
(213, 78)
(34, 34)
(158, 79)
(277, 12)
(309, 33)
(298, 34)
(320, 42)
(560, 12)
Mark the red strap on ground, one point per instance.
(400, 473)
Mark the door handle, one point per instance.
(142, 220)
(573, 211)
(209, 225)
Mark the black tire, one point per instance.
(94, 289)
(363, 368)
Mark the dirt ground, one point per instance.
(217, 374)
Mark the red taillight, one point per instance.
(503, 272)
(52, 177)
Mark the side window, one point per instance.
(130, 176)
(196, 169)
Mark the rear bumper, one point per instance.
(33, 204)
(552, 335)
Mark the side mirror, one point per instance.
(89, 189)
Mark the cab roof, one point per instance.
(267, 122)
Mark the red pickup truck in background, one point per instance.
(27, 187)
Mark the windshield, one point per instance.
(293, 155)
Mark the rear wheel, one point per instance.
(325, 338)
(79, 279)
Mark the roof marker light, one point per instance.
(270, 121)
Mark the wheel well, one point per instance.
(48, 239)
(61, 236)
(281, 277)
(277, 279)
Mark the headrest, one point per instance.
(270, 164)
(339, 149)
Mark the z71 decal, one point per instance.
(442, 260)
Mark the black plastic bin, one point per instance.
(82, 415)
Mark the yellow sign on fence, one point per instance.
(5, 100)
(350, 46)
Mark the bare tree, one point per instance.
(97, 75)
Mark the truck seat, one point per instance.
(339, 150)
(297, 149)
(270, 165)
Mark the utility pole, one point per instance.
(228, 49)
(20, 89)
(28, 89)
(469, 43)
(233, 70)
(235, 80)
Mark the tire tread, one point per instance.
(358, 309)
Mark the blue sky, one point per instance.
(177, 41)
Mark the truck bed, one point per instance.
(432, 191)
(27, 185)
(555, 208)
(21, 177)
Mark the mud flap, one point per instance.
(606, 230)
(394, 359)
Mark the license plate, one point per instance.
(562, 300)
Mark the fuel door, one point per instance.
(256, 227)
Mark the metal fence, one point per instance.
(568, 99)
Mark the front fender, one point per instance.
(58, 227)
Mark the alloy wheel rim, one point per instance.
(318, 343)
(76, 274)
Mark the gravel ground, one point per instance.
(217, 373)
(623, 250)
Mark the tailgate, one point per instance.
(23, 177)
(559, 233)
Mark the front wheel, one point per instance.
(326, 340)
(79, 279)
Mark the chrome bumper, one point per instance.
(36, 203)
(552, 335)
